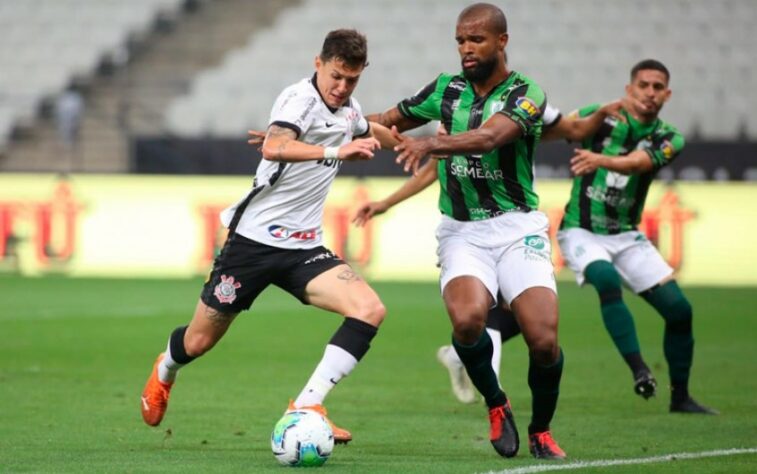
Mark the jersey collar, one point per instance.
(641, 128)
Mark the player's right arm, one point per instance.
(281, 144)
(417, 183)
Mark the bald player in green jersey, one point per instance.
(600, 241)
(492, 239)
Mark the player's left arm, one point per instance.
(663, 150)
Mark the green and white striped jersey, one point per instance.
(606, 202)
(476, 187)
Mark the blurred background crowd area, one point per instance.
(172, 86)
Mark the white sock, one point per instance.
(168, 367)
(497, 352)
(335, 365)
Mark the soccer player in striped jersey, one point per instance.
(491, 239)
(275, 232)
(500, 321)
(599, 237)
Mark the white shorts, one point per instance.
(639, 263)
(508, 253)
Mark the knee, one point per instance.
(372, 312)
(468, 320)
(603, 276)
(544, 349)
(198, 344)
(679, 315)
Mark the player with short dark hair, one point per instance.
(500, 321)
(275, 232)
(600, 241)
(491, 238)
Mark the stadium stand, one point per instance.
(210, 69)
(45, 44)
(580, 51)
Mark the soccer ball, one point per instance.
(302, 438)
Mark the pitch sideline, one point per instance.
(625, 462)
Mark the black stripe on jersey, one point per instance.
(485, 196)
(508, 165)
(454, 188)
(451, 94)
(289, 125)
(255, 191)
(642, 187)
(584, 203)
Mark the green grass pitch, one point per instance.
(75, 354)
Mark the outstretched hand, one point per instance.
(367, 211)
(584, 162)
(256, 138)
(410, 150)
(360, 149)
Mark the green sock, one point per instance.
(678, 343)
(477, 359)
(619, 323)
(615, 314)
(545, 388)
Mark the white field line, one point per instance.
(625, 462)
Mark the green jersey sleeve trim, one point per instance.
(425, 105)
(588, 110)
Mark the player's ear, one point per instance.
(317, 62)
(503, 39)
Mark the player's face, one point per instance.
(336, 81)
(480, 49)
(650, 88)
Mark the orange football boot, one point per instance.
(155, 396)
(341, 436)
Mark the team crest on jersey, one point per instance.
(496, 106)
(226, 291)
(667, 149)
(527, 106)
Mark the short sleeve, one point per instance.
(524, 106)
(294, 110)
(425, 105)
(551, 115)
(585, 111)
(665, 147)
(360, 126)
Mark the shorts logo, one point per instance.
(527, 106)
(280, 232)
(226, 291)
(535, 242)
(319, 257)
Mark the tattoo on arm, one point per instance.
(281, 134)
(349, 275)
